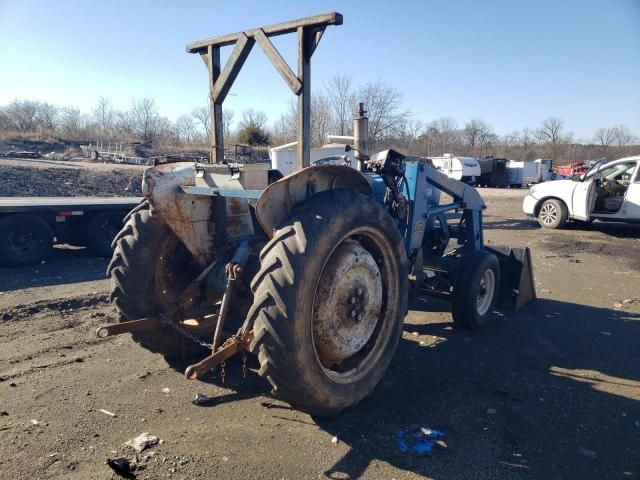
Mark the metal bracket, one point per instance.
(233, 345)
(105, 331)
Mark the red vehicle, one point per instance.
(571, 169)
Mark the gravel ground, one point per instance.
(51, 178)
(550, 391)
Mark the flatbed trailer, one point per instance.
(30, 226)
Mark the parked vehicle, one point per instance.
(493, 172)
(608, 191)
(29, 226)
(284, 158)
(571, 169)
(544, 170)
(313, 271)
(521, 174)
(464, 169)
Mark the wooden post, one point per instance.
(217, 139)
(304, 98)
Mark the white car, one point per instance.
(608, 191)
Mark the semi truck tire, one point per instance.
(101, 230)
(476, 290)
(24, 240)
(329, 302)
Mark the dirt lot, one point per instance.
(551, 391)
(51, 178)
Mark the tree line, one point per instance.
(391, 125)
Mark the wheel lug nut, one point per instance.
(353, 300)
(359, 316)
(359, 291)
(353, 313)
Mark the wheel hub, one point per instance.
(485, 291)
(347, 303)
(548, 214)
(20, 240)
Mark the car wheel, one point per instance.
(552, 214)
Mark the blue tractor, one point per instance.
(312, 272)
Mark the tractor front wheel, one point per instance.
(476, 290)
(329, 302)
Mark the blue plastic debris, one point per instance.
(416, 440)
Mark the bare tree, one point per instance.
(22, 115)
(550, 132)
(485, 138)
(441, 135)
(47, 116)
(342, 99)
(186, 129)
(383, 103)
(475, 133)
(605, 137)
(623, 137)
(321, 119)
(251, 117)
(284, 129)
(525, 139)
(227, 121)
(72, 122)
(144, 119)
(409, 138)
(202, 115)
(5, 122)
(104, 117)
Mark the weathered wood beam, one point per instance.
(332, 18)
(216, 133)
(316, 39)
(205, 58)
(232, 68)
(276, 59)
(304, 97)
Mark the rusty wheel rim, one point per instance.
(357, 344)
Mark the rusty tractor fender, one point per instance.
(191, 216)
(279, 199)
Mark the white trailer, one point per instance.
(464, 169)
(545, 172)
(285, 157)
(521, 174)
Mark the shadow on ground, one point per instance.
(65, 265)
(566, 374)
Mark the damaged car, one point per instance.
(608, 191)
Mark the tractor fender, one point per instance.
(279, 199)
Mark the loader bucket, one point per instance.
(517, 287)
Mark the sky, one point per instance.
(511, 63)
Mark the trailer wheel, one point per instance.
(150, 267)
(476, 290)
(552, 214)
(24, 240)
(101, 231)
(329, 301)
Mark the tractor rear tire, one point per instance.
(140, 262)
(329, 302)
(476, 290)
